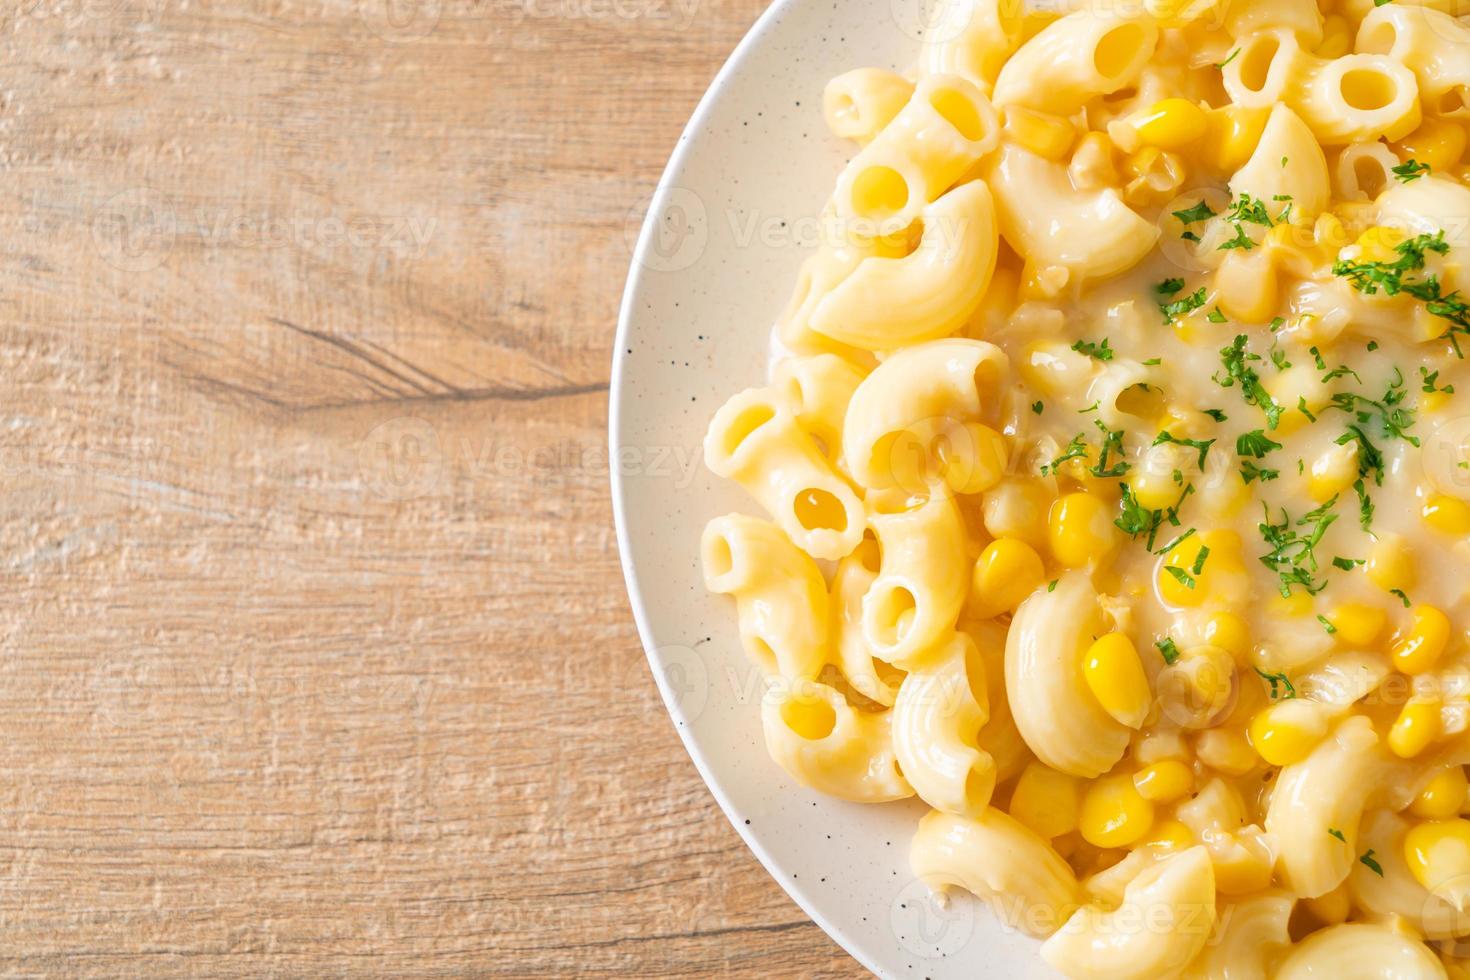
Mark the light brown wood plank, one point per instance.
(315, 658)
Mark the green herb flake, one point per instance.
(1180, 307)
(1279, 683)
(1181, 576)
(1099, 352)
(1255, 444)
(1410, 171)
(1202, 446)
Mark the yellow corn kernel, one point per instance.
(1172, 124)
(1198, 574)
(1228, 632)
(1080, 529)
(1007, 571)
(1114, 814)
(1046, 800)
(1419, 647)
(1337, 38)
(1438, 855)
(1443, 796)
(1296, 604)
(1379, 244)
(1288, 731)
(1390, 565)
(1333, 472)
(1039, 132)
(1164, 782)
(1226, 750)
(1416, 727)
(1357, 624)
(1017, 508)
(1115, 676)
(1154, 490)
(1448, 514)
(1434, 401)
(1437, 143)
(1232, 137)
(1170, 835)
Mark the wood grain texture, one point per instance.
(315, 658)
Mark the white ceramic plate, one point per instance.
(733, 218)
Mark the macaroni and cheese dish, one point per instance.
(1113, 486)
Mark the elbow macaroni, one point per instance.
(941, 708)
(1115, 480)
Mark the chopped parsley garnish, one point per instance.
(1199, 560)
(1410, 171)
(1301, 406)
(1076, 449)
(1367, 859)
(1278, 682)
(1236, 53)
(1202, 446)
(1371, 277)
(1347, 564)
(1153, 362)
(1169, 287)
(1216, 414)
(1183, 577)
(1180, 307)
(1326, 624)
(1200, 212)
(1337, 833)
(1135, 519)
(1038, 407)
(1112, 443)
(1237, 369)
(1099, 352)
(1169, 649)
(1293, 555)
(1250, 471)
(1255, 444)
(1215, 316)
(1430, 377)
(1052, 585)
(1403, 597)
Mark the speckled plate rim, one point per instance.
(638, 271)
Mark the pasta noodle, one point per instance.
(1114, 465)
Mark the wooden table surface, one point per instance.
(315, 657)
